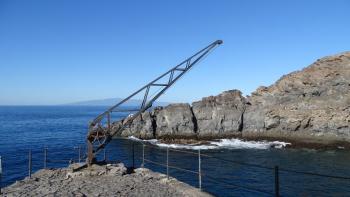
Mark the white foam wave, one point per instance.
(184, 146)
(222, 143)
(241, 144)
(134, 138)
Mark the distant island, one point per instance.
(112, 101)
(311, 106)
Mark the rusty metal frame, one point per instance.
(100, 135)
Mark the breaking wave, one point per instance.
(222, 143)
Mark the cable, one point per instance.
(182, 151)
(259, 166)
(237, 186)
(315, 174)
(237, 162)
(170, 166)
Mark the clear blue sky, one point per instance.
(54, 52)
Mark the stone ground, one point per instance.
(100, 180)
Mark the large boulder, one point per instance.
(220, 116)
(141, 126)
(175, 121)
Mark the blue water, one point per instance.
(63, 128)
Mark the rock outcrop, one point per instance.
(100, 180)
(312, 104)
(220, 116)
(142, 127)
(175, 120)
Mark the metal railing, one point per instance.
(48, 159)
(0, 173)
(275, 170)
(199, 172)
(45, 159)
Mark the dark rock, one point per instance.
(175, 120)
(313, 103)
(141, 127)
(219, 116)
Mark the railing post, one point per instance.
(167, 162)
(199, 169)
(277, 184)
(133, 155)
(104, 155)
(0, 174)
(45, 158)
(30, 163)
(143, 156)
(79, 153)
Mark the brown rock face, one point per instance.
(313, 103)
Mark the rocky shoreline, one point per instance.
(310, 107)
(100, 180)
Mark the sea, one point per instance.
(229, 167)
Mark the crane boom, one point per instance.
(100, 129)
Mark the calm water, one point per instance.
(60, 129)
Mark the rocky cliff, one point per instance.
(311, 104)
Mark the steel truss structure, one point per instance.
(100, 129)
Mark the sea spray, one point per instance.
(221, 143)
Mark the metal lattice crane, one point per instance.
(100, 129)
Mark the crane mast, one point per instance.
(101, 129)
